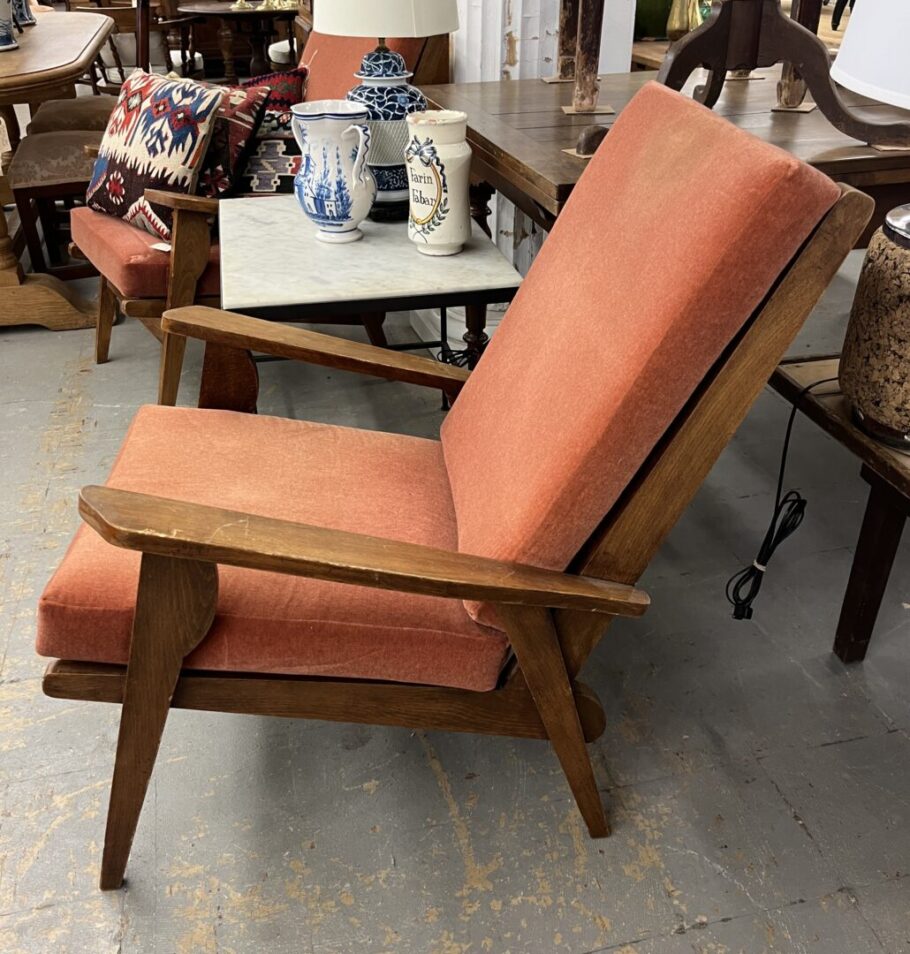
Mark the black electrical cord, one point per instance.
(789, 510)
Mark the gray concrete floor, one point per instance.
(759, 790)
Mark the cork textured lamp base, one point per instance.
(875, 365)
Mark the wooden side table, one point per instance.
(886, 471)
(52, 55)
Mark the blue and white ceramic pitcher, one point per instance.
(334, 185)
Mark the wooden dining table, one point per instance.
(52, 55)
(519, 133)
(256, 22)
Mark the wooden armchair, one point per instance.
(302, 570)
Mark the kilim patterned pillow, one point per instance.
(275, 157)
(156, 138)
(239, 117)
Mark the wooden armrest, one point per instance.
(186, 203)
(171, 528)
(92, 151)
(300, 344)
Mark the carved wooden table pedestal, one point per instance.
(52, 55)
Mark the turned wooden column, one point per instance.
(587, 58)
(226, 40)
(10, 269)
(568, 39)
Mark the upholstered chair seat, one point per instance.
(126, 256)
(53, 158)
(83, 112)
(266, 622)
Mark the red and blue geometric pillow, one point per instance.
(239, 117)
(275, 156)
(156, 138)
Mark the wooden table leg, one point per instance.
(226, 39)
(37, 299)
(878, 540)
(481, 193)
(260, 34)
(13, 133)
(475, 337)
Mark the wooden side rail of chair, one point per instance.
(175, 529)
(298, 344)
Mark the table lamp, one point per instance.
(384, 87)
(875, 364)
(872, 60)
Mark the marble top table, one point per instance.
(273, 266)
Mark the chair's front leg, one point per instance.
(535, 642)
(174, 610)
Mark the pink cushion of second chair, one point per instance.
(675, 232)
(361, 481)
(125, 257)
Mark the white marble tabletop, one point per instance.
(272, 263)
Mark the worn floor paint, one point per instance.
(758, 788)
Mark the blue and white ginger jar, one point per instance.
(390, 99)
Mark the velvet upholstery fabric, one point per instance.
(674, 234)
(54, 158)
(333, 61)
(124, 255)
(361, 481)
(83, 112)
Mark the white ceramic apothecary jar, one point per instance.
(439, 164)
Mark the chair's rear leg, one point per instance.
(175, 607)
(536, 645)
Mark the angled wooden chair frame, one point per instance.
(553, 620)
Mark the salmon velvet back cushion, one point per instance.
(670, 240)
(333, 61)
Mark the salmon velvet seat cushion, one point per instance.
(362, 481)
(125, 257)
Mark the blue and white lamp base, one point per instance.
(390, 99)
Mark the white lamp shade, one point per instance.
(873, 55)
(386, 17)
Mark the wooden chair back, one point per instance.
(164, 21)
(630, 534)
